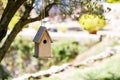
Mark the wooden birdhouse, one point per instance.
(42, 43)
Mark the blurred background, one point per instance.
(85, 46)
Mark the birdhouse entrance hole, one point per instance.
(44, 41)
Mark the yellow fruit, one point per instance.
(92, 22)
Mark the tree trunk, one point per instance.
(10, 38)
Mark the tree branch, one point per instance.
(44, 11)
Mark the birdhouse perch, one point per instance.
(42, 43)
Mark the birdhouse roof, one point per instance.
(39, 34)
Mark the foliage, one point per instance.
(14, 20)
(64, 51)
(20, 56)
(13, 6)
(113, 1)
(4, 2)
(51, 78)
(21, 52)
(3, 73)
(106, 69)
(93, 6)
(109, 69)
(87, 6)
(92, 22)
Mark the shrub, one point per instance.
(92, 22)
(21, 56)
(64, 51)
(113, 1)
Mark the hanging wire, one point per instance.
(41, 11)
(44, 12)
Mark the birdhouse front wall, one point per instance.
(45, 46)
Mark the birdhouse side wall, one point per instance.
(45, 46)
(36, 54)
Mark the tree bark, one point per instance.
(8, 13)
(10, 38)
